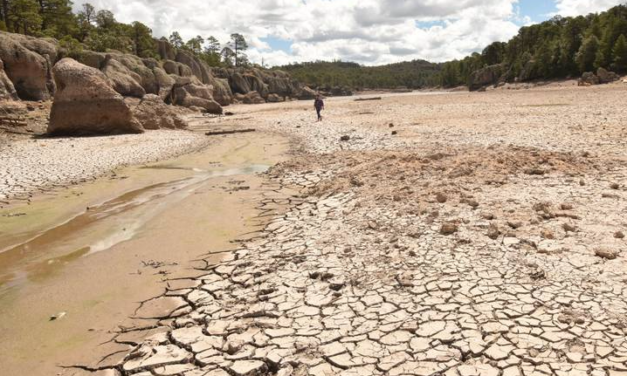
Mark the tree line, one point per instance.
(559, 48)
(98, 30)
(412, 75)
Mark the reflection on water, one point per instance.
(99, 228)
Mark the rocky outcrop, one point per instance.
(275, 98)
(603, 76)
(165, 49)
(195, 95)
(27, 63)
(487, 76)
(7, 90)
(153, 113)
(606, 77)
(306, 93)
(165, 83)
(123, 80)
(86, 104)
(253, 98)
(588, 79)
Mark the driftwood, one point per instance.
(232, 131)
(16, 122)
(368, 99)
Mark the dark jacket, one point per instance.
(319, 104)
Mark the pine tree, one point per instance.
(620, 54)
(587, 54)
(143, 44)
(175, 40)
(238, 46)
(24, 17)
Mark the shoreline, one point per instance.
(136, 266)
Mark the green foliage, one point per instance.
(238, 45)
(23, 17)
(195, 44)
(587, 54)
(412, 75)
(557, 48)
(73, 48)
(143, 44)
(175, 40)
(619, 54)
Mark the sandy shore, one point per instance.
(31, 166)
(449, 234)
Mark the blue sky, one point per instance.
(369, 32)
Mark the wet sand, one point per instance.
(90, 253)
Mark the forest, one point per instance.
(415, 74)
(559, 48)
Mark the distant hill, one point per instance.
(412, 75)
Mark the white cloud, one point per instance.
(583, 7)
(365, 31)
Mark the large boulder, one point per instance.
(588, 79)
(253, 98)
(306, 93)
(486, 77)
(164, 82)
(123, 80)
(165, 49)
(275, 98)
(255, 82)
(221, 91)
(7, 90)
(238, 83)
(92, 59)
(606, 77)
(86, 104)
(195, 95)
(138, 66)
(153, 113)
(27, 63)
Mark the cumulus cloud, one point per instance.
(365, 31)
(583, 7)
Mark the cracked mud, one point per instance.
(459, 250)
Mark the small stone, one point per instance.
(606, 253)
(619, 235)
(615, 186)
(448, 228)
(345, 138)
(441, 197)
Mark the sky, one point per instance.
(369, 32)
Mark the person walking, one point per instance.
(319, 106)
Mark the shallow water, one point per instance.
(100, 227)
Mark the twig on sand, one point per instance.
(231, 131)
(368, 99)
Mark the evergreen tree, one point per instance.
(85, 20)
(24, 17)
(175, 39)
(143, 44)
(195, 44)
(238, 45)
(587, 54)
(619, 56)
(57, 19)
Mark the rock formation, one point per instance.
(86, 104)
(195, 95)
(486, 77)
(7, 90)
(153, 113)
(27, 63)
(606, 77)
(603, 76)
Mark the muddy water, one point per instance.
(101, 227)
(86, 254)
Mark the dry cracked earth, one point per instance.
(484, 237)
